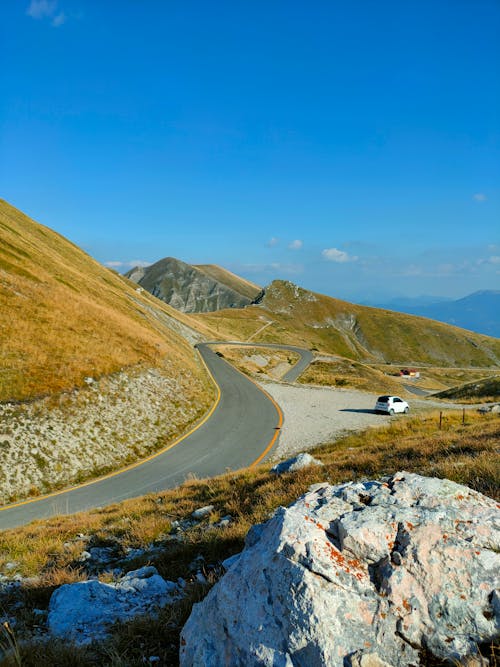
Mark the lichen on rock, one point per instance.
(385, 570)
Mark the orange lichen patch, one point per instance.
(316, 523)
(459, 496)
(347, 565)
(406, 605)
(410, 525)
(445, 537)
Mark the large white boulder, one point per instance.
(358, 573)
(83, 612)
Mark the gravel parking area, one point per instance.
(315, 415)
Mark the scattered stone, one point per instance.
(495, 408)
(302, 460)
(89, 380)
(84, 556)
(82, 612)
(225, 521)
(11, 565)
(202, 512)
(319, 583)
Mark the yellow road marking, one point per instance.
(132, 465)
(278, 409)
(168, 447)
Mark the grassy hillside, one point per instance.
(236, 283)
(464, 453)
(65, 317)
(482, 390)
(355, 332)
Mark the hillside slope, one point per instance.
(299, 317)
(94, 373)
(231, 280)
(194, 289)
(66, 317)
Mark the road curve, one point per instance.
(305, 356)
(241, 431)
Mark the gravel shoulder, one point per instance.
(316, 415)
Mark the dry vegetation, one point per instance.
(69, 317)
(434, 378)
(466, 453)
(351, 374)
(486, 390)
(361, 333)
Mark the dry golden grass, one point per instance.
(66, 317)
(466, 453)
(351, 374)
(486, 390)
(435, 378)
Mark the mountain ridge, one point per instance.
(194, 288)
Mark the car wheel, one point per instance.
(391, 411)
(407, 410)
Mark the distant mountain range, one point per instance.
(201, 288)
(478, 312)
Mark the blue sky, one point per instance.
(351, 147)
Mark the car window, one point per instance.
(383, 399)
(397, 400)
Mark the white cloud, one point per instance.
(296, 245)
(273, 241)
(339, 256)
(480, 196)
(46, 9)
(40, 9)
(58, 20)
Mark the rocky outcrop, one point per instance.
(83, 612)
(190, 289)
(383, 572)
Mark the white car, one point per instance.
(391, 404)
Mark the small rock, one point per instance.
(202, 512)
(84, 556)
(495, 408)
(82, 612)
(225, 521)
(89, 380)
(11, 565)
(302, 460)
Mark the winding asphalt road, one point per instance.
(240, 431)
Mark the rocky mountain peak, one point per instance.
(194, 289)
